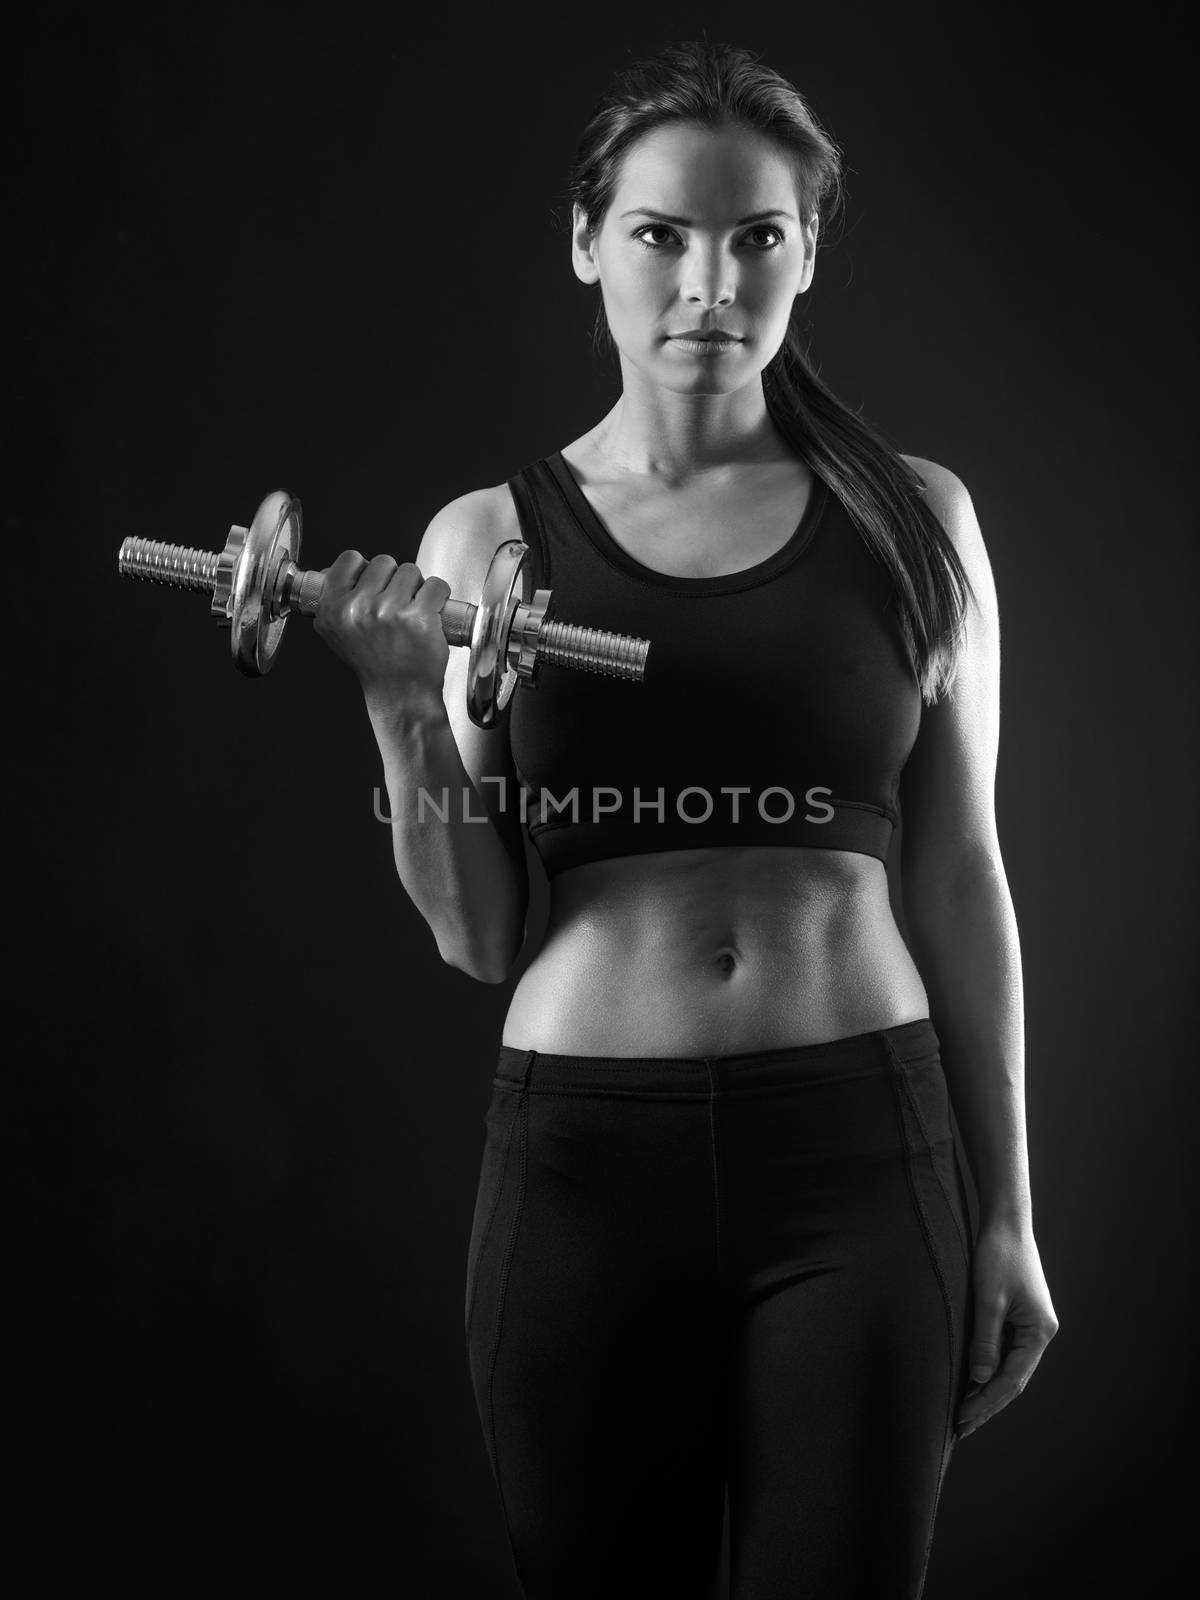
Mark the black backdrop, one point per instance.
(319, 248)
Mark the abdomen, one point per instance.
(715, 952)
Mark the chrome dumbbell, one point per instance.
(256, 585)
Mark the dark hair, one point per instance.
(719, 85)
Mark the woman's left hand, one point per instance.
(1014, 1321)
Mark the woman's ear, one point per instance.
(583, 247)
(808, 235)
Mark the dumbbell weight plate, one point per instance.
(245, 595)
(490, 680)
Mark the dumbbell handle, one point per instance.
(301, 592)
(562, 644)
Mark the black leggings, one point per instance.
(743, 1273)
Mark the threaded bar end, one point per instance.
(612, 655)
(156, 562)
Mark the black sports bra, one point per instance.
(778, 706)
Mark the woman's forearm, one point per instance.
(455, 867)
(968, 952)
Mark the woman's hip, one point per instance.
(724, 1158)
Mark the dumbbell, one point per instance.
(256, 586)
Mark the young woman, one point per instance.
(721, 1242)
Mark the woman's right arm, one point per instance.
(466, 873)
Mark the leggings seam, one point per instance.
(487, 1232)
(509, 1252)
(712, 1123)
(950, 1205)
(947, 1309)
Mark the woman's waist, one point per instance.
(599, 988)
(907, 1048)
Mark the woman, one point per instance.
(721, 1240)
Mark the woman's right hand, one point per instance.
(383, 618)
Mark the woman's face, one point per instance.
(709, 267)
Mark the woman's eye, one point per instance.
(660, 227)
(653, 227)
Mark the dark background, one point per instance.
(321, 248)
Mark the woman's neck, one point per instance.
(678, 438)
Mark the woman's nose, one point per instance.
(709, 295)
(709, 280)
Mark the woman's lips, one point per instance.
(705, 344)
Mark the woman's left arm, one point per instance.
(962, 931)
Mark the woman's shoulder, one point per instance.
(940, 483)
(462, 536)
(479, 510)
(949, 499)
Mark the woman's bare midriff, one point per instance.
(715, 952)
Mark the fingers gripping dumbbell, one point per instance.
(256, 585)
